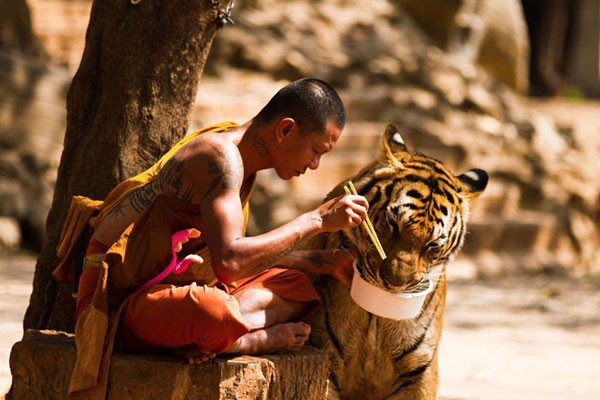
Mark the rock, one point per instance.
(546, 140)
(32, 126)
(41, 365)
(489, 125)
(503, 49)
(480, 96)
(451, 86)
(10, 234)
(583, 69)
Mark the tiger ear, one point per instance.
(474, 181)
(392, 143)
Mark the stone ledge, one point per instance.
(41, 365)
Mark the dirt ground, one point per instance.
(525, 338)
(16, 277)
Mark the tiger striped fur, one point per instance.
(419, 210)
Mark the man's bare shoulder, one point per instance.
(202, 167)
(211, 146)
(217, 161)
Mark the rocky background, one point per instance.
(456, 81)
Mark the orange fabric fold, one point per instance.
(81, 210)
(208, 318)
(165, 317)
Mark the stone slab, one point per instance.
(41, 365)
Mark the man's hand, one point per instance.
(343, 212)
(343, 269)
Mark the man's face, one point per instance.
(300, 152)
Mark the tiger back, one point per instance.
(419, 210)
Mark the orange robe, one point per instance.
(150, 318)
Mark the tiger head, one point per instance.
(419, 210)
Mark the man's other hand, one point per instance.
(343, 269)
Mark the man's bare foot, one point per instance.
(194, 355)
(201, 358)
(290, 336)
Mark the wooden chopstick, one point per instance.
(370, 228)
(367, 225)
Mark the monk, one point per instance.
(249, 295)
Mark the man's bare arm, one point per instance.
(235, 256)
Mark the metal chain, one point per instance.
(224, 14)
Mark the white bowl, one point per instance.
(378, 301)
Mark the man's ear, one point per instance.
(284, 127)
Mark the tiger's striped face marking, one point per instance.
(419, 210)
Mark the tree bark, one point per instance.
(127, 104)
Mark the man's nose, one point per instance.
(314, 164)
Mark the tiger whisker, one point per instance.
(435, 274)
(437, 277)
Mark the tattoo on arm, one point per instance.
(270, 262)
(172, 176)
(142, 197)
(118, 210)
(171, 180)
(225, 171)
(315, 258)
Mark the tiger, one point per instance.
(419, 210)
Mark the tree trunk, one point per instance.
(128, 103)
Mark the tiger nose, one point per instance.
(403, 270)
